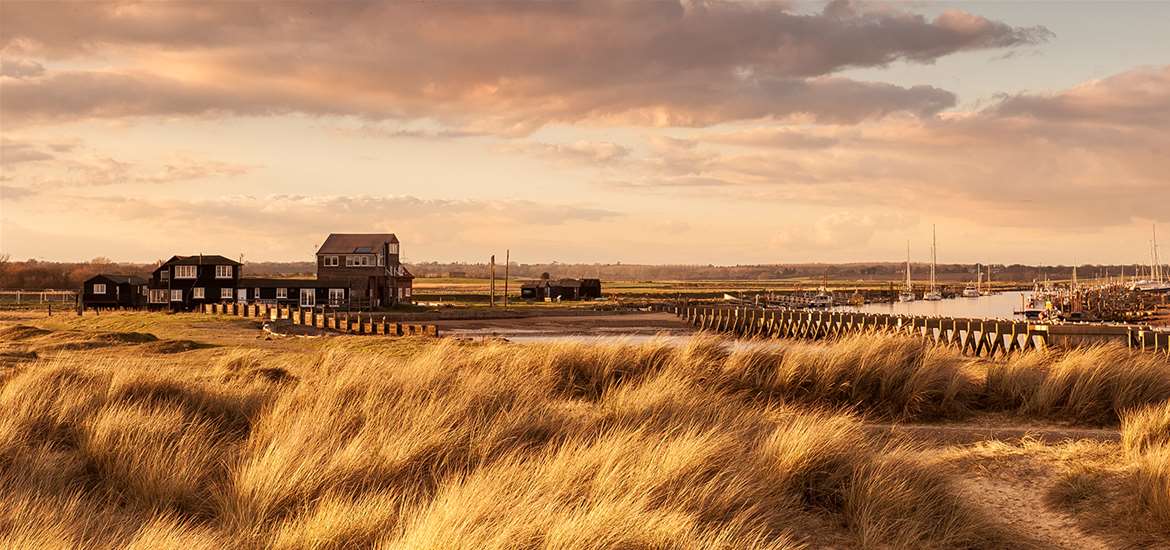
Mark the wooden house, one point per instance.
(113, 291)
(182, 283)
(295, 292)
(562, 289)
(368, 265)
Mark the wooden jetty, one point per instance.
(338, 321)
(979, 337)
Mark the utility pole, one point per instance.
(507, 272)
(492, 273)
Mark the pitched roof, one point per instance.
(356, 243)
(119, 279)
(201, 259)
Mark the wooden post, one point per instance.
(507, 266)
(492, 272)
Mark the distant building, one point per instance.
(368, 265)
(457, 274)
(562, 289)
(113, 291)
(185, 282)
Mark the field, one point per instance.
(185, 431)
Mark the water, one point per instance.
(995, 306)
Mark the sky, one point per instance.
(645, 131)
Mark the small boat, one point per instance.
(821, 300)
(932, 296)
(971, 291)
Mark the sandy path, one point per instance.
(1019, 504)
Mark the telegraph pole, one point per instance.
(507, 270)
(492, 272)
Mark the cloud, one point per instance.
(581, 151)
(514, 67)
(842, 230)
(1091, 156)
(67, 164)
(20, 68)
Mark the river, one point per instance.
(995, 306)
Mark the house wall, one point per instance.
(204, 278)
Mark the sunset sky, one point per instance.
(642, 132)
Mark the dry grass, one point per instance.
(1146, 428)
(467, 446)
(1093, 385)
(350, 442)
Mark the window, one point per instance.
(197, 293)
(99, 288)
(144, 291)
(223, 272)
(164, 275)
(393, 247)
(281, 293)
(158, 296)
(243, 294)
(349, 261)
(184, 272)
(336, 296)
(176, 295)
(381, 260)
(330, 261)
(408, 292)
(226, 293)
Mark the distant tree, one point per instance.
(101, 260)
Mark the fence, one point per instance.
(339, 321)
(979, 337)
(9, 297)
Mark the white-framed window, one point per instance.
(381, 260)
(242, 294)
(336, 296)
(407, 292)
(393, 247)
(281, 293)
(226, 293)
(330, 261)
(257, 294)
(99, 288)
(164, 275)
(185, 271)
(349, 261)
(177, 295)
(223, 272)
(145, 291)
(197, 293)
(158, 296)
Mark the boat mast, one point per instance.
(933, 253)
(909, 286)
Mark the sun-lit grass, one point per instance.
(470, 446)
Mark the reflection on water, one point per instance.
(995, 306)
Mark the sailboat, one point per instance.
(933, 294)
(1157, 281)
(987, 290)
(907, 294)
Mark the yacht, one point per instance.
(821, 300)
(1157, 282)
(933, 294)
(907, 294)
(971, 291)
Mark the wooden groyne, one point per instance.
(979, 337)
(338, 321)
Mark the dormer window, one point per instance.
(185, 272)
(393, 247)
(223, 272)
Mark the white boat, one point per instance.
(971, 291)
(933, 294)
(907, 294)
(821, 299)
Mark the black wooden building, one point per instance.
(109, 291)
(295, 292)
(182, 283)
(561, 289)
